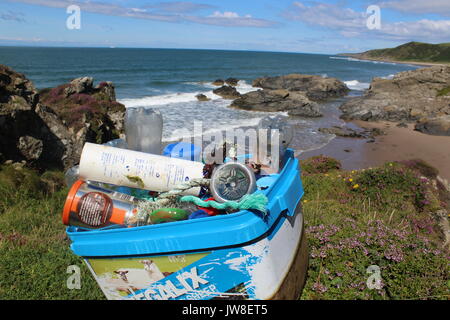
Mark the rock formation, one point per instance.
(294, 93)
(202, 97)
(296, 104)
(48, 129)
(408, 97)
(314, 87)
(435, 126)
(227, 92)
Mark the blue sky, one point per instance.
(327, 26)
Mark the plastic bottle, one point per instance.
(71, 175)
(143, 129)
(92, 207)
(134, 169)
(279, 123)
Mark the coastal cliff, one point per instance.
(48, 129)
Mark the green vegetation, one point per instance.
(81, 108)
(413, 52)
(383, 216)
(443, 92)
(34, 249)
(386, 217)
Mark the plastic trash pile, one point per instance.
(129, 183)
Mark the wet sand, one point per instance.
(398, 144)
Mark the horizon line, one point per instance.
(157, 48)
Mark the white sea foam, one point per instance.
(344, 58)
(183, 97)
(356, 85)
(363, 60)
(164, 99)
(391, 76)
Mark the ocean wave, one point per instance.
(364, 60)
(345, 58)
(181, 97)
(389, 77)
(356, 85)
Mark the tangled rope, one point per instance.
(255, 201)
(167, 199)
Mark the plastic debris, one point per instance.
(231, 181)
(143, 128)
(254, 201)
(183, 150)
(167, 215)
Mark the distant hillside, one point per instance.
(409, 52)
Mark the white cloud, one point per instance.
(167, 12)
(439, 7)
(226, 14)
(423, 30)
(12, 16)
(350, 23)
(326, 15)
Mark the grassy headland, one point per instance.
(386, 216)
(411, 52)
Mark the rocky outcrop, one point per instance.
(314, 87)
(294, 93)
(202, 97)
(409, 96)
(218, 83)
(347, 132)
(48, 129)
(296, 104)
(435, 126)
(232, 82)
(227, 92)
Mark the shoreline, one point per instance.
(395, 145)
(414, 63)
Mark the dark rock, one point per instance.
(435, 126)
(202, 97)
(343, 132)
(314, 87)
(218, 82)
(296, 104)
(232, 82)
(227, 92)
(402, 125)
(347, 132)
(376, 132)
(48, 129)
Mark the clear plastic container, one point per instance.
(143, 129)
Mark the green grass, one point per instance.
(383, 216)
(34, 249)
(414, 52)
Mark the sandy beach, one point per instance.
(398, 144)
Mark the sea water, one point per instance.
(169, 79)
